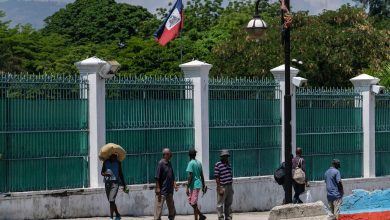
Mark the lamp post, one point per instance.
(256, 28)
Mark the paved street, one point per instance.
(236, 216)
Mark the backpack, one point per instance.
(279, 174)
(298, 174)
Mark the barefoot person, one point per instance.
(195, 183)
(165, 184)
(113, 177)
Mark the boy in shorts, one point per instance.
(195, 183)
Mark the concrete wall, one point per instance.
(251, 194)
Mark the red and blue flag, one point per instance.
(172, 25)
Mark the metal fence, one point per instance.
(244, 117)
(44, 128)
(145, 116)
(43, 132)
(329, 125)
(382, 135)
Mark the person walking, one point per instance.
(224, 179)
(113, 177)
(280, 177)
(165, 185)
(334, 187)
(195, 183)
(299, 176)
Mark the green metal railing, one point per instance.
(382, 134)
(245, 119)
(329, 125)
(145, 116)
(43, 132)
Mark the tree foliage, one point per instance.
(98, 21)
(383, 74)
(334, 46)
(376, 7)
(379, 12)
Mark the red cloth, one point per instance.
(366, 216)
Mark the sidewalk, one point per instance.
(236, 216)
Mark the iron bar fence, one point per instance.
(382, 133)
(329, 125)
(145, 115)
(43, 132)
(244, 117)
(44, 128)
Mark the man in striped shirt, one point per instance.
(224, 178)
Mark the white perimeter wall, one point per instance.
(251, 194)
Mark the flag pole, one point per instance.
(181, 47)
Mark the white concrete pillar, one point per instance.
(279, 76)
(89, 69)
(363, 84)
(198, 73)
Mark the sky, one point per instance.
(24, 13)
(314, 6)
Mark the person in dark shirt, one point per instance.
(113, 177)
(283, 166)
(165, 185)
(299, 188)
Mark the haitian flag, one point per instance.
(172, 25)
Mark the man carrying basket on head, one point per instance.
(112, 155)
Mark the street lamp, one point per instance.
(256, 28)
(297, 61)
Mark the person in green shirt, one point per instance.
(195, 183)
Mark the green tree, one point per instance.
(338, 45)
(3, 24)
(379, 11)
(334, 46)
(18, 47)
(200, 15)
(6, 60)
(376, 7)
(383, 74)
(99, 21)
